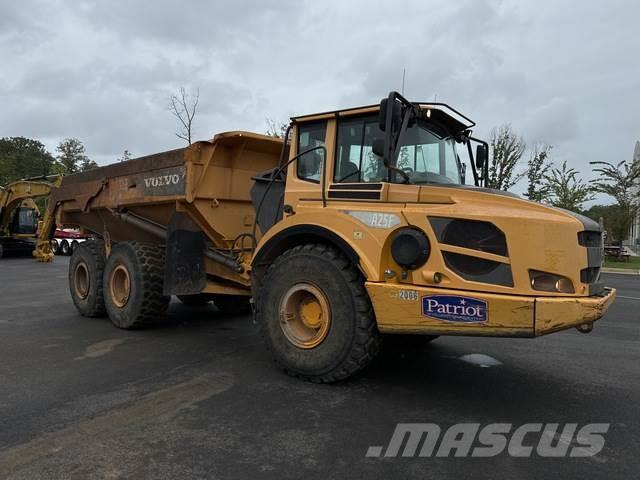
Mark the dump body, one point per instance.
(201, 188)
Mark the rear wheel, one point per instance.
(74, 245)
(133, 279)
(54, 247)
(315, 314)
(86, 269)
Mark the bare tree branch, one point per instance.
(183, 106)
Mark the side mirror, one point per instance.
(481, 157)
(377, 147)
(393, 113)
(382, 115)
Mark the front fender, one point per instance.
(363, 244)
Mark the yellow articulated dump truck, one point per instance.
(359, 224)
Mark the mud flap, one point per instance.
(184, 272)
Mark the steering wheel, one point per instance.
(407, 170)
(352, 174)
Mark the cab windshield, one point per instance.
(424, 154)
(427, 157)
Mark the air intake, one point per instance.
(472, 234)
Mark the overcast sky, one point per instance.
(562, 72)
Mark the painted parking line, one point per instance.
(628, 298)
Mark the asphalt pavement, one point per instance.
(198, 397)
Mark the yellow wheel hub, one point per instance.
(81, 280)
(305, 315)
(120, 286)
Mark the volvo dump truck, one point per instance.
(359, 223)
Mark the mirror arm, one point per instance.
(473, 163)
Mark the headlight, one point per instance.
(549, 282)
(410, 248)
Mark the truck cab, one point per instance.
(385, 186)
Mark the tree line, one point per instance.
(22, 157)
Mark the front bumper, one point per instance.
(436, 311)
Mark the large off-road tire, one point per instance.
(133, 281)
(197, 300)
(86, 268)
(315, 315)
(232, 304)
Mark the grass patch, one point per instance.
(632, 264)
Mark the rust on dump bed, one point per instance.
(208, 182)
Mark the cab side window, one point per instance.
(355, 160)
(310, 164)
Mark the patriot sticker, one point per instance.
(453, 308)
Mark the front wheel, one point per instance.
(315, 315)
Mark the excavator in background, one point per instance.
(20, 222)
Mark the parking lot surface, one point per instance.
(197, 396)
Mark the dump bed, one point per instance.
(209, 180)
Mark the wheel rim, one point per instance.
(120, 286)
(305, 316)
(81, 280)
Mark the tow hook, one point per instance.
(585, 327)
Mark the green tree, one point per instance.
(22, 157)
(507, 149)
(614, 219)
(566, 189)
(538, 189)
(620, 181)
(72, 157)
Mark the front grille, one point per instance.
(590, 274)
(590, 239)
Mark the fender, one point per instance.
(287, 238)
(302, 228)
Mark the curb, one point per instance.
(624, 271)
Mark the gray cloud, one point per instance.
(559, 72)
